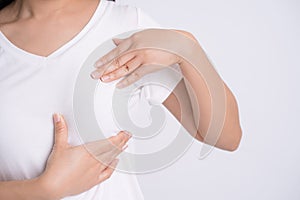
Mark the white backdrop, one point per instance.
(254, 45)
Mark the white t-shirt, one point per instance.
(34, 87)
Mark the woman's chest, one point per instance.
(29, 95)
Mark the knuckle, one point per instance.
(99, 164)
(112, 75)
(117, 51)
(117, 62)
(135, 75)
(60, 128)
(103, 59)
(56, 147)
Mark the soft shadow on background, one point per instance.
(255, 47)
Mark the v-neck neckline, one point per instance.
(6, 44)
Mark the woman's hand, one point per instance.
(117, 63)
(72, 170)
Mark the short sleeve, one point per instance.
(155, 93)
(145, 21)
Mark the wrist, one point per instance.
(47, 190)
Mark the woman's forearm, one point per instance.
(231, 133)
(230, 136)
(31, 189)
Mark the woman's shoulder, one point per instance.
(120, 9)
(130, 13)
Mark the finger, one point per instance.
(96, 74)
(105, 174)
(100, 147)
(138, 74)
(117, 41)
(123, 70)
(122, 47)
(120, 139)
(131, 78)
(61, 131)
(111, 66)
(117, 148)
(118, 62)
(106, 158)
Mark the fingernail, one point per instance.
(124, 147)
(95, 74)
(98, 64)
(128, 134)
(105, 78)
(56, 118)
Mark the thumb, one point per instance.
(61, 131)
(117, 41)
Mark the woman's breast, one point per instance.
(28, 100)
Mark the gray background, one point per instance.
(255, 47)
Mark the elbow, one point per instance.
(232, 131)
(229, 140)
(234, 141)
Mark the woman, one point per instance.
(42, 46)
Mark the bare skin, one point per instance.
(28, 24)
(231, 133)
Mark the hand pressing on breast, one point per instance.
(72, 170)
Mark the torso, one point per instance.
(34, 85)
